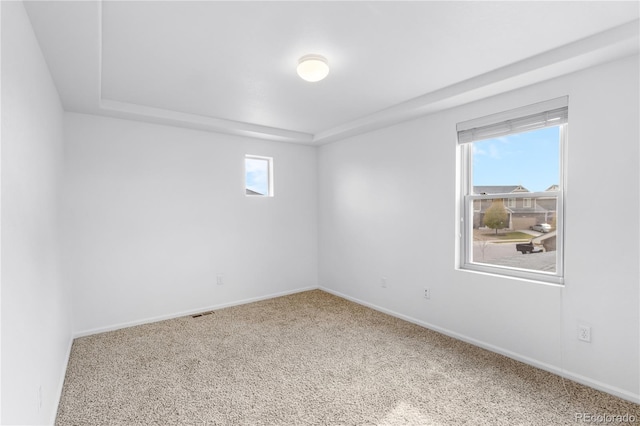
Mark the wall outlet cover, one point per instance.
(584, 333)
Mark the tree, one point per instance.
(496, 217)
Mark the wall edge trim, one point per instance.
(118, 326)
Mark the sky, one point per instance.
(257, 174)
(529, 159)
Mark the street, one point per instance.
(484, 251)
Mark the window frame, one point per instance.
(270, 185)
(467, 200)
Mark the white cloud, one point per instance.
(494, 152)
(478, 151)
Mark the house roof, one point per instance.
(536, 208)
(499, 189)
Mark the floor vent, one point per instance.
(201, 314)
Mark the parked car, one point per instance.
(542, 227)
(529, 247)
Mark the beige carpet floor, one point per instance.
(310, 359)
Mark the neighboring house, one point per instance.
(523, 212)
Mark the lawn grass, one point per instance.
(509, 235)
(513, 236)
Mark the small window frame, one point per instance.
(270, 183)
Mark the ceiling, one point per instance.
(230, 66)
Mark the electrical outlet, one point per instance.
(584, 333)
(427, 293)
(220, 279)
(383, 282)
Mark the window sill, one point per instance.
(525, 276)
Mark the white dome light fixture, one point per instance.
(313, 68)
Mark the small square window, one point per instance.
(258, 173)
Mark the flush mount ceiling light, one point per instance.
(313, 67)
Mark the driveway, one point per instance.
(485, 250)
(505, 254)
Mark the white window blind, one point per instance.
(544, 114)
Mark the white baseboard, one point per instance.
(90, 332)
(58, 395)
(629, 396)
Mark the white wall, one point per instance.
(150, 214)
(387, 207)
(36, 311)
(154, 213)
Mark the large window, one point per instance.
(512, 192)
(258, 173)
